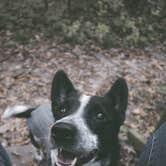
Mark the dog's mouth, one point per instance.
(67, 158)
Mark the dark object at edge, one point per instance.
(4, 157)
(154, 153)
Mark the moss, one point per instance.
(101, 31)
(105, 21)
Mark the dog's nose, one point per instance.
(63, 132)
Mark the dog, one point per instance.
(76, 129)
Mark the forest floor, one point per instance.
(26, 72)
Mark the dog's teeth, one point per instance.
(74, 161)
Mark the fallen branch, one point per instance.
(137, 140)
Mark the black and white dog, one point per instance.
(77, 129)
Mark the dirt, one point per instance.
(26, 72)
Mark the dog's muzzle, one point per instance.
(63, 135)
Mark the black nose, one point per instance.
(63, 133)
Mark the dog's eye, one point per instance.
(100, 116)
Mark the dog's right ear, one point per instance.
(118, 95)
(62, 87)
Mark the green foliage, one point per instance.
(22, 36)
(108, 22)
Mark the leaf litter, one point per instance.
(26, 72)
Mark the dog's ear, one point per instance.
(118, 95)
(62, 87)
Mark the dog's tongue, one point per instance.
(66, 158)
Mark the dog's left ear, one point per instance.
(62, 87)
(118, 95)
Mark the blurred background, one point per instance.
(95, 42)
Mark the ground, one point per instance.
(26, 72)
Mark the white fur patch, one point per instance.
(14, 110)
(54, 159)
(39, 155)
(89, 140)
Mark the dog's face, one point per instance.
(85, 126)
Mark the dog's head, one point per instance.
(85, 126)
